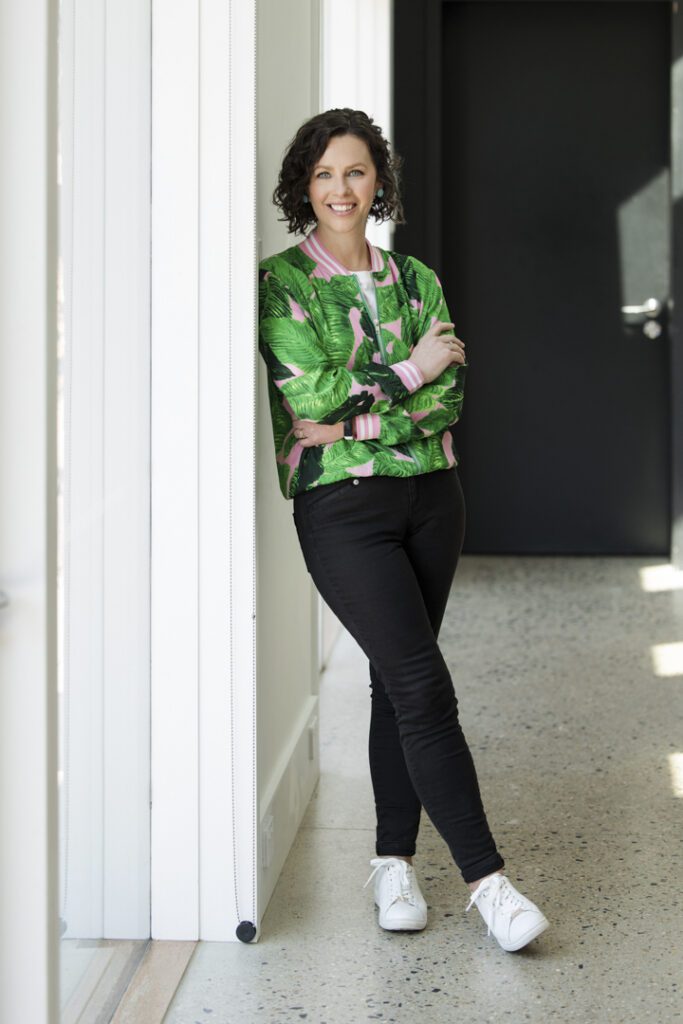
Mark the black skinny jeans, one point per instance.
(382, 552)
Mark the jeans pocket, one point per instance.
(332, 497)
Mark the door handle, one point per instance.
(649, 315)
(651, 307)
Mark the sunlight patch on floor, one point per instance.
(676, 769)
(655, 578)
(667, 659)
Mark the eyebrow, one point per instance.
(326, 167)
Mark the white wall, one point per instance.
(312, 55)
(288, 56)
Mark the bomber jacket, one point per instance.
(328, 359)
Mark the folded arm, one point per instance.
(314, 388)
(437, 404)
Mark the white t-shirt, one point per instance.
(367, 283)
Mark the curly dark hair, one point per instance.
(309, 144)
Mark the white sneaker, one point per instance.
(397, 894)
(513, 919)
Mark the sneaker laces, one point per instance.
(505, 899)
(400, 881)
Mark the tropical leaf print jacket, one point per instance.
(328, 360)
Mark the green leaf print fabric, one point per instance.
(437, 405)
(314, 377)
(325, 362)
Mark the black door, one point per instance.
(555, 214)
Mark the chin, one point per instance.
(344, 223)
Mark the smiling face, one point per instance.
(343, 184)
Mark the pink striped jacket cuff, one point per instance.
(410, 373)
(366, 426)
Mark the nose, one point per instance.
(341, 187)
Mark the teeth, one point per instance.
(349, 206)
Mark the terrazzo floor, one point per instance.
(569, 675)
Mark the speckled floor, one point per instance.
(569, 675)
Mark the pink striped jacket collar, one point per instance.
(327, 265)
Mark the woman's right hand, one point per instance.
(436, 350)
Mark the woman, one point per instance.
(365, 377)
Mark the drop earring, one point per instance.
(379, 192)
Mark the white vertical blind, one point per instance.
(104, 470)
(204, 831)
(175, 439)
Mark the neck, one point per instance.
(350, 248)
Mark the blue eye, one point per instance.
(356, 170)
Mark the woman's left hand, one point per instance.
(308, 433)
